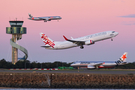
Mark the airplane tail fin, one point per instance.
(47, 41)
(30, 15)
(122, 58)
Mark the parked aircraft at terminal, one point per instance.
(101, 64)
(69, 43)
(48, 18)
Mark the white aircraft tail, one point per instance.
(122, 58)
(30, 15)
(47, 41)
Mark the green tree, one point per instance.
(34, 64)
(3, 63)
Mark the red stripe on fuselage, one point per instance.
(106, 66)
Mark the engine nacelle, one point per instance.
(90, 67)
(89, 42)
(48, 19)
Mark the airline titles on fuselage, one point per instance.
(94, 35)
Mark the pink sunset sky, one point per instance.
(79, 18)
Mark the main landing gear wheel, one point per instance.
(81, 47)
(111, 39)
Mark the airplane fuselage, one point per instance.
(94, 37)
(48, 18)
(101, 64)
(92, 64)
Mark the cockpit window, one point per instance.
(113, 31)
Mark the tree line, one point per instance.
(126, 66)
(27, 64)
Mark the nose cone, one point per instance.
(116, 33)
(71, 65)
(58, 17)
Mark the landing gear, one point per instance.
(111, 39)
(96, 67)
(81, 47)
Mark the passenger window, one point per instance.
(113, 31)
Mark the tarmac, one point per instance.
(111, 71)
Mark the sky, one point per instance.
(79, 18)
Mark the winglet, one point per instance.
(65, 37)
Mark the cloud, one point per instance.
(128, 16)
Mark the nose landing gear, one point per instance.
(81, 47)
(111, 39)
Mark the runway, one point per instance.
(72, 71)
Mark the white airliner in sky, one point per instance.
(47, 18)
(69, 43)
(100, 64)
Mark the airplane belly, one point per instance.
(80, 65)
(107, 66)
(66, 46)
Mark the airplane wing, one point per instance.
(45, 18)
(41, 18)
(99, 64)
(95, 66)
(76, 42)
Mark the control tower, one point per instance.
(16, 30)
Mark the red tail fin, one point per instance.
(47, 40)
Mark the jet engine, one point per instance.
(90, 67)
(89, 42)
(48, 19)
